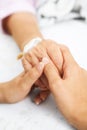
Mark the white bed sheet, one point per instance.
(25, 115)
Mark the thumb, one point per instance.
(52, 76)
(69, 63)
(67, 54)
(34, 73)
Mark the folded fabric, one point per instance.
(48, 11)
(51, 11)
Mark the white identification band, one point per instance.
(31, 44)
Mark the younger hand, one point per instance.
(70, 91)
(18, 88)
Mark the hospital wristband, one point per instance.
(29, 46)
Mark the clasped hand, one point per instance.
(64, 78)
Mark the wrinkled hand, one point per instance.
(70, 91)
(44, 49)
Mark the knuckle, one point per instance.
(40, 50)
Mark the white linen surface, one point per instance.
(25, 115)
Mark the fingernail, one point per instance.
(45, 60)
(43, 63)
(37, 101)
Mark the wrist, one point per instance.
(29, 39)
(30, 45)
(23, 27)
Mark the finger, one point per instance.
(52, 75)
(67, 54)
(41, 97)
(31, 58)
(33, 74)
(39, 51)
(36, 54)
(27, 66)
(69, 62)
(55, 54)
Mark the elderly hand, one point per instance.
(44, 49)
(70, 91)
